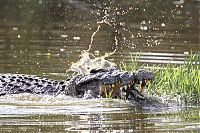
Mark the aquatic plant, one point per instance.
(174, 80)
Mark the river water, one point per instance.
(44, 37)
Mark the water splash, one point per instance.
(88, 61)
(44, 104)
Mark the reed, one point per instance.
(182, 80)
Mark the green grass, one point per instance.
(182, 80)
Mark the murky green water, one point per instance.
(31, 113)
(43, 38)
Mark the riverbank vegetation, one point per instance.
(174, 80)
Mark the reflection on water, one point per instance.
(46, 113)
(45, 37)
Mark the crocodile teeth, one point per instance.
(113, 85)
(110, 85)
(140, 81)
(125, 87)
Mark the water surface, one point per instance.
(44, 37)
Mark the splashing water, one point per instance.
(44, 104)
(89, 61)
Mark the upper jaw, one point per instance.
(141, 75)
(123, 84)
(114, 76)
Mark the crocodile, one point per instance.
(98, 83)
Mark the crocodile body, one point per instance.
(99, 83)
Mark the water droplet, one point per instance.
(143, 22)
(186, 52)
(64, 36)
(40, 1)
(18, 36)
(163, 24)
(59, 5)
(76, 38)
(97, 52)
(62, 49)
(15, 28)
(144, 28)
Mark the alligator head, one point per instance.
(109, 83)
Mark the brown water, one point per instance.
(44, 37)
